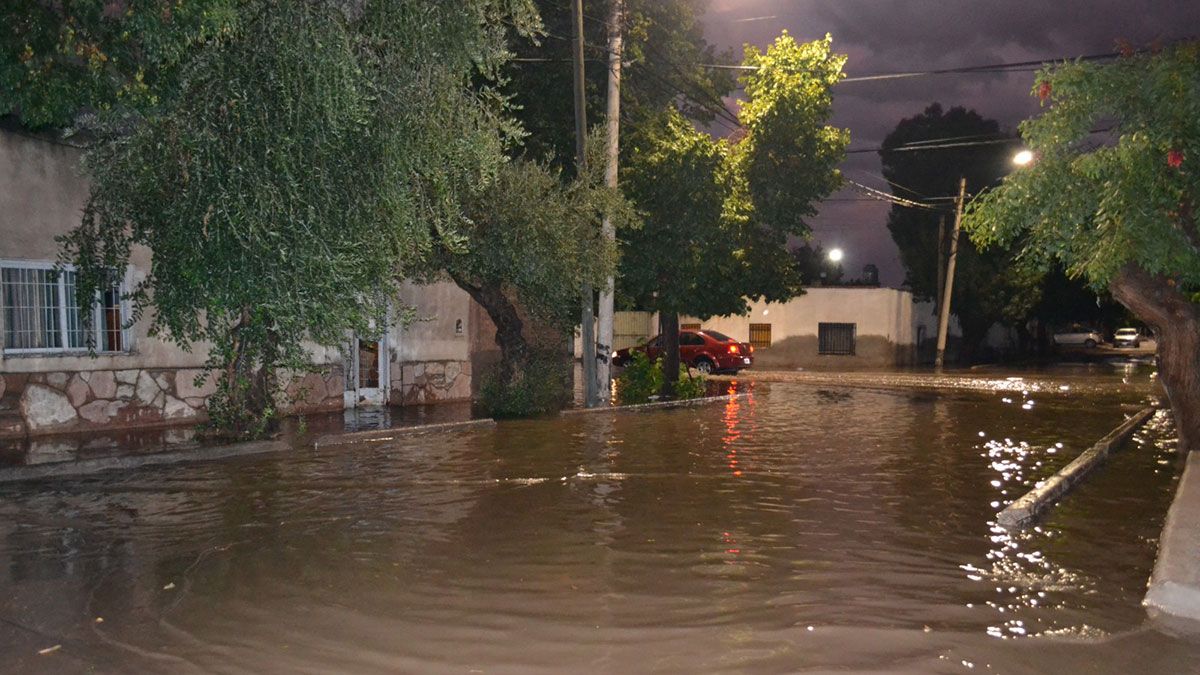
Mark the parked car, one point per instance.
(1127, 337)
(1078, 335)
(705, 350)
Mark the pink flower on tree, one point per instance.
(1175, 159)
(1044, 90)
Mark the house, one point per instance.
(50, 384)
(826, 328)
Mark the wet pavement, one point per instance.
(804, 527)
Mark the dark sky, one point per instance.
(886, 36)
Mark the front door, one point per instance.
(367, 373)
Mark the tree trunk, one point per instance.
(1176, 322)
(668, 324)
(514, 350)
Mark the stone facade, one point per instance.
(34, 404)
(417, 383)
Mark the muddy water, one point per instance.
(801, 528)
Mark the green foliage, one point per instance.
(642, 379)
(530, 233)
(541, 389)
(718, 213)
(61, 59)
(313, 154)
(1097, 207)
(664, 49)
(689, 387)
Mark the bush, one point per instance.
(643, 379)
(543, 389)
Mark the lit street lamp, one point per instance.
(836, 255)
(1023, 158)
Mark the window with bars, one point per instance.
(760, 335)
(836, 338)
(41, 314)
(689, 326)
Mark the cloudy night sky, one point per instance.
(888, 36)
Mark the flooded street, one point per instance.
(798, 528)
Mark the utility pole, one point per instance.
(944, 314)
(612, 126)
(587, 319)
(941, 266)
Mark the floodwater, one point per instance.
(799, 528)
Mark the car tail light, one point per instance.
(733, 349)
(751, 349)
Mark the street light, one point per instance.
(836, 255)
(1023, 158)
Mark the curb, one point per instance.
(381, 435)
(85, 467)
(1032, 503)
(657, 405)
(1175, 585)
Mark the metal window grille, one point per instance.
(760, 335)
(836, 338)
(41, 312)
(689, 326)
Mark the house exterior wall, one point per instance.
(431, 355)
(154, 382)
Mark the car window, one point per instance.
(719, 337)
(690, 339)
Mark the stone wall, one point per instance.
(33, 404)
(420, 382)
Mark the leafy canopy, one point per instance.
(719, 212)
(1097, 204)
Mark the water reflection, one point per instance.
(794, 529)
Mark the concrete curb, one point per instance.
(85, 467)
(1175, 585)
(381, 435)
(1032, 503)
(658, 405)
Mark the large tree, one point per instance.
(1118, 210)
(718, 213)
(294, 168)
(531, 239)
(987, 287)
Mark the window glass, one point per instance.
(719, 337)
(690, 339)
(41, 311)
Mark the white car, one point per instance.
(1127, 337)
(1078, 336)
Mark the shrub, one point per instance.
(643, 379)
(541, 390)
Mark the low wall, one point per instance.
(801, 351)
(1175, 586)
(33, 404)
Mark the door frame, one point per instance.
(356, 396)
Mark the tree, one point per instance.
(814, 266)
(297, 167)
(61, 60)
(530, 241)
(987, 289)
(1120, 212)
(664, 49)
(718, 213)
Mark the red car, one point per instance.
(705, 350)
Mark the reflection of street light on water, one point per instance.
(836, 255)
